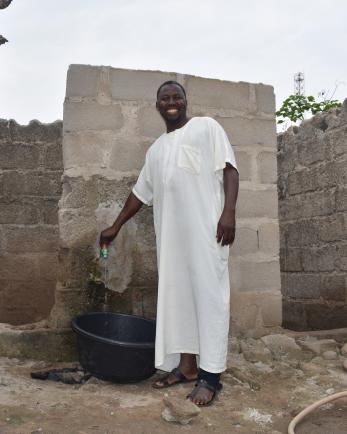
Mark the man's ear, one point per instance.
(156, 105)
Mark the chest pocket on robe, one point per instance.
(189, 159)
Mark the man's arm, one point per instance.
(227, 222)
(130, 208)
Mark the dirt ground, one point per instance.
(263, 402)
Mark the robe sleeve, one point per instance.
(223, 151)
(143, 188)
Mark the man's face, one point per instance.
(171, 103)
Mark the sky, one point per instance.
(258, 41)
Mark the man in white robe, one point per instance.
(190, 178)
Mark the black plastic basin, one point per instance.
(115, 347)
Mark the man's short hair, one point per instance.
(171, 82)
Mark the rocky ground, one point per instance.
(268, 381)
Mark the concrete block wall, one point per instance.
(110, 120)
(312, 162)
(30, 171)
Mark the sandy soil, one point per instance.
(264, 404)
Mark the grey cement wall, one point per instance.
(109, 122)
(30, 172)
(312, 164)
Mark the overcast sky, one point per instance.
(263, 41)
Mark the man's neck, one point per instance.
(172, 126)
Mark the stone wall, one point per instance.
(30, 187)
(110, 120)
(312, 164)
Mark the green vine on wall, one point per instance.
(295, 107)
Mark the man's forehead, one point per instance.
(171, 88)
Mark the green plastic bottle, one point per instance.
(104, 252)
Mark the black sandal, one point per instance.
(205, 385)
(181, 378)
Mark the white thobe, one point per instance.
(183, 179)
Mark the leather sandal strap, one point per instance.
(206, 385)
(178, 374)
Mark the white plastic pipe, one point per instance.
(312, 407)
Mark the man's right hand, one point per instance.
(107, 236)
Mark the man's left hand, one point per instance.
(226, 228)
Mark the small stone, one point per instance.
(254, 350)
(344, 350)
(318, 346)
(329, 355)
(282, 346)
(234, 345)
(180, 411)
(312, 368)
(344, 365)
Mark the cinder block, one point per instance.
(32, 183)
(92, 116)
(246, 241)
(318, 259)
(150, 122)
(137, 85)
(333, 228)
(301, 233)
(217, 93)
(265, 98)
(48, 266)
(53, 156)
(77, 228)
(308, 205)
(19, 156)
(30, 300)
(267, 167)
(269, 238)
(291, 259)
(294, 315)
(82, 80)
(301, 285)
(245, 132)
(128, 154)
(75, 267)
(325, 316)
(336, 141)
(341, 257)
(244, 165)
(5, 130)
(49, 211)
(36, 132)
(86, 149)
(18, 212)
(259, 276)
(333, 287)
(311, 147)
(341, 199)
(271, 310)
(18, 266)
(261, 203)
(79, 193)
(31, 240)
(286, 157)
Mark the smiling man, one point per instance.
(190, 178)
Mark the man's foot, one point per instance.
(174, 377)
(204, 393)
